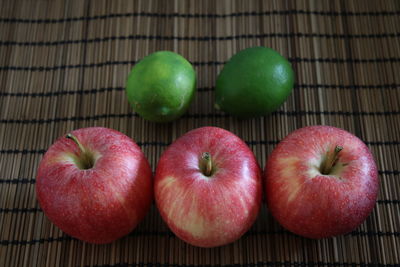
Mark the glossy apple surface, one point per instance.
(96, 185)
(315, 191)
(208, 187)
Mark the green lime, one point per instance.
(161, 86)
(254, 82)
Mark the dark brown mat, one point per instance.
(63, 65)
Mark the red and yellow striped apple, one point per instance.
(208, 187)
(95, 184)
(321, 182)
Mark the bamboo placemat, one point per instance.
(63, 65)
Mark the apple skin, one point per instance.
(314, 205)
(208, 211)
(101, 204)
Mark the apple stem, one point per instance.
(206, 157)
(330, 160)
(86, 158)
(76, 141)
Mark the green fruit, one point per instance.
(161, 86)
(254, 82)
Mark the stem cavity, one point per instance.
(330, 160)
(85, 160)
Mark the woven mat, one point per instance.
(63, 65)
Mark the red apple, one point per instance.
(321, 182)
(208, 187)
(95, 184)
